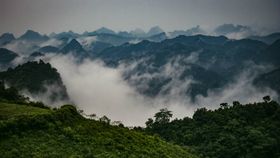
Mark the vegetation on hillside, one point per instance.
(35, 77)
(237, 130)
(30, 131)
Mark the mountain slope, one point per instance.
(270, 79)
(36, 77)
(249, 130)
(48, 49)
(35, 132)
(30, 35)
(271, 54)
(208, 60)
(74, 48)
(269, 39)
(6, 38)
(6, 57)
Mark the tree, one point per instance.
(149, 123)
(236, 103)
(117, 123)
(105, 119)
(224, 105)
(163, 116)
(266, 98)
(201, 115)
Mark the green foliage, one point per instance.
(163, 116)
(105, 119)
(11, 110)
(250, 130)
(28, 131)
(10, 94)
(34, 77)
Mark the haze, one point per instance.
(48, 16)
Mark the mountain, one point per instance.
(154, 31)
(97, 46)
(74, 48)
(65, 35)
(157, 37)
(30, 35)
(159, 55)
(227, 29)
(138, 33)
(125, 34)
(6, 57)
(268, 39)
(48, 49)
(270, 79)
(190, 32)
(181, 45)
(6, 38)
(214, 58)
(32, 129)
(36, 54)
(112, 39)
(271, 54)
(104, 30)
(37, 78)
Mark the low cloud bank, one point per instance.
(101, 90)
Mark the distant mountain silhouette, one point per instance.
(217, 60)
(65, 35)
(154, 31)
(36, 54)
(271, 55)
(48, 49)
(270, 79)
(6, 57)
(6, 38)
(75, 48)
(30, 35)
(269, 39)
(104, 30)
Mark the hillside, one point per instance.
(27, 131)
(270, 79)
(210, 62)
(237, 130)
(36, 77)
(6, 57)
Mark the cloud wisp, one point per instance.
(101, 90)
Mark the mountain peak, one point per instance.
(6, 38)
(33, 36)
(138, 32)
(7, 35)
(73, 45)
(105, 30)
(155, 30)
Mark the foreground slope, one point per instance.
(250, 130)
(27, 131)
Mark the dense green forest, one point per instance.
(35, 77)
(33, 130)
(250, 130)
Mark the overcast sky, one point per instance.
(48, 16)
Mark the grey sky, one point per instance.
(48, 16)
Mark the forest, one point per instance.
(32, 129)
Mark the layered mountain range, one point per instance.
(154, 62)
